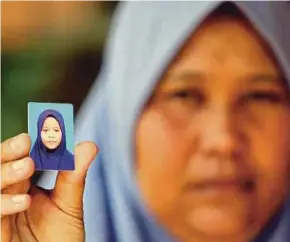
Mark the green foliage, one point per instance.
(32, 73)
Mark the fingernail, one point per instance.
(16, 142)
(19, 165)
(18, 198)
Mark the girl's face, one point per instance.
(51, 133)
(213, 143)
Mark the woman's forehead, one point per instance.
(225, 43)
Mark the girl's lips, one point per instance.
(51, 142)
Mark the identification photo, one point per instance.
(51, 129)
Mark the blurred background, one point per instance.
(50, 52)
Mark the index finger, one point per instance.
(15, 148)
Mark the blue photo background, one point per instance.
(35, 109)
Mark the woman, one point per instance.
(218, 119)
(49, 150)
(191, 115)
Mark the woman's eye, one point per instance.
(181, 94)
(56, 130)
(192, 95)
(269, 96)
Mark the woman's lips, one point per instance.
(221, 187)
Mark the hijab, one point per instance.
(57, 159)
(143, 40)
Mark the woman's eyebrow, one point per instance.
(186, 75)
(200, 77)
(264, 78)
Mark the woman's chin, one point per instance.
(218, 221)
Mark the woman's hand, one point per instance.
(41, 216)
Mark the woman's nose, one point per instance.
(218, 133)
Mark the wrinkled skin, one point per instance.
(213, 141)
(41, 216)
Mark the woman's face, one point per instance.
(213, 143)
(51, 133)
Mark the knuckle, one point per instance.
(14, 204)
(20, 143)
(16, 171)
(14, 147)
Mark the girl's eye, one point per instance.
(264, 96)
(56, 130)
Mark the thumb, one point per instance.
(69, 187)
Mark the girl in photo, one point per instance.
(49, 151)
